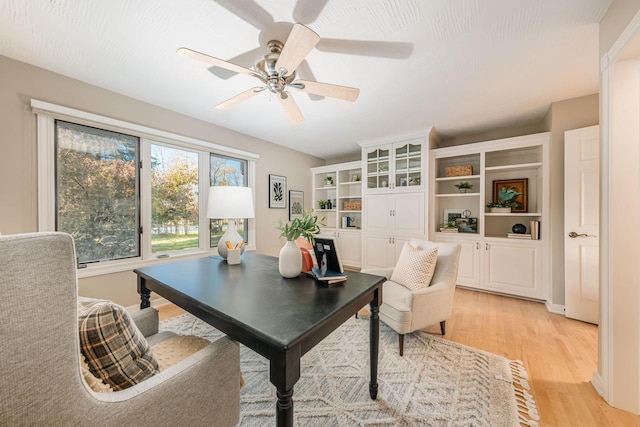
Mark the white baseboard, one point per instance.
(554, 308)
(155, 303)
(596, 381)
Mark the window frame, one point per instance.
(47, 113)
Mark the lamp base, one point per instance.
(231, 236)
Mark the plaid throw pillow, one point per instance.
(112, 345)
(415, 267)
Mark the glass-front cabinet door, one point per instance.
(407, 164)
(378, 164)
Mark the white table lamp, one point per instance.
(227, 202)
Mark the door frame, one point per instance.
(623, 393)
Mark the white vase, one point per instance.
(290, 260)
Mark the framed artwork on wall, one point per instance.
(277, 191)
(296, 204)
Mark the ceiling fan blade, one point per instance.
(291, 108)
(300, 42)
(304, 72)
(394, 50)
(307, 11)
(232, 102)
(332, 91)
(244, 60)
(248, 11)
(189, 53)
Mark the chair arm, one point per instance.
(146, 320)
(386, 272)
(207, 382)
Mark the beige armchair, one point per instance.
(405, 310)
(40, 370)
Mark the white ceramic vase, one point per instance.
(290, 260)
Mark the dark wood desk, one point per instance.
(280, 319)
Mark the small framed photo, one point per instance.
(452, 214)
(467, 225)
(277, 191)
(296, 204)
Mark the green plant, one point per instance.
(449, 224)
(329, 180)
(308, 227)
(506, 198)
(322, 203)
(464, 185)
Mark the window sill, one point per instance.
(100, 269)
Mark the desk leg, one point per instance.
(284, 372)
(145, 294)
(374, 340)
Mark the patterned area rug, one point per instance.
(436, 382)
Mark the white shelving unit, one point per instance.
(490, 260)
(344, 220)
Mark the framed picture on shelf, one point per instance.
(277, 191)
(452, 214)
(296, 204)
(467, 225)
(520, 186)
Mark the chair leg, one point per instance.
(442, 327)
(401, 343)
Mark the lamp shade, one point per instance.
(230, 202)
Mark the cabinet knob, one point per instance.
(486, 246)
(477, 245)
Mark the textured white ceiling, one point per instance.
(470, 66)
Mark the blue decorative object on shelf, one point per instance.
(519, 229)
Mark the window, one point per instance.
(129, 194)
(227, 171)
(97, 191)
(174, 199)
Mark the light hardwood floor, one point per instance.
(559, 354)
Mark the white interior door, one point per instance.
(581, 222)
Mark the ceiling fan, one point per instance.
(277, 72)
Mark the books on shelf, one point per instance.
(526, 236)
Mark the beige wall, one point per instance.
(20, 82)
(614, 22)
(562, 116)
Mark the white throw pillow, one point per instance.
(415, 267)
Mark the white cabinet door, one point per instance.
(349, 246)
(469, 267)
(377, 215)
(513, 268)
(398, 244)
(408, 214)
(376, 251)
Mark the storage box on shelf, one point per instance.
(343, 221)
(489, 259)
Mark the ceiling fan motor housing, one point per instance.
(267, 64)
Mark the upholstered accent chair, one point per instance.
(41, 382)
(406, 310)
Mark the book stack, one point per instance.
(519, 236)
(535, 229)
(448, 230)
